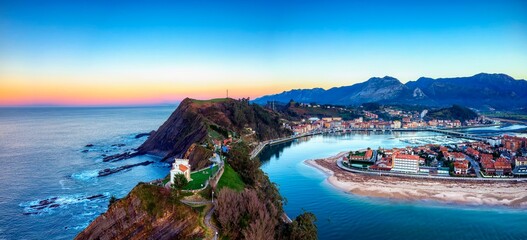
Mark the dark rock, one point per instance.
(95, 196)
(119, 156)
(118, 145)
(140, 135)
(89, 145)
(109, 171)
(85, 151)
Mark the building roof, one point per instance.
(408, 157)
(183, 168)
(458, 155)
(461, 165)
(502, 163)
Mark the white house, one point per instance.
(180, 166)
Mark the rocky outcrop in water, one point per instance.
(140, 135)
(109, 171)
(42, 206)
(119, 156)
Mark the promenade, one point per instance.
(407, 175)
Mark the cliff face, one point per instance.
(194, 121)
(148, 212)
(184, 127)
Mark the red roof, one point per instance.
(486, 156)
(461, 165)
(502, 163)
(406, 156)
(183, 168)
(458, 155)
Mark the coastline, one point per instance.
(255, 152)
(505, 194)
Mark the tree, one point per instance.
(179, 181)
(113, 199)
(245, 215)
(262, 228)
(303, 228)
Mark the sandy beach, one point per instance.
(511, 194)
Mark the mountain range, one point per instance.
(481, 91)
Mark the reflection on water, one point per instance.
(345, 216)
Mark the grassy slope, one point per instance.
(230, 179)
(199, 178)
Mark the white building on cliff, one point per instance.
(180, 166)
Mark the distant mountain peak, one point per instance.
(497, 90)
(383, 79)
(493, 76)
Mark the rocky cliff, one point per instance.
(148, 212)
(196, 122)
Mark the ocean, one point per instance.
(50, 188)
(49, 184)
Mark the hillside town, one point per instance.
(505, 157)
(370, 120)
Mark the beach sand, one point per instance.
(510, 194)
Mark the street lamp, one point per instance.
(212, 196)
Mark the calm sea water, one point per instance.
(345, 216)
(42, 159)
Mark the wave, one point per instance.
(63, 185)
(85, 175)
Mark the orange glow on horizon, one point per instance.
(82, 93)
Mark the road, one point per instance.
(475, 165)
(209, 224)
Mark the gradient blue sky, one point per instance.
(134, 52)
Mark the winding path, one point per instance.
(209, 224)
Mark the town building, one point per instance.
(502, 166)
(461, 167)
(457, 156)
(488, 166)
(405, 163)
(520, 161)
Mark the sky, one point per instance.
(155, 52)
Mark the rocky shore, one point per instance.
(510, 194)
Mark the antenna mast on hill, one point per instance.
(227, 93)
